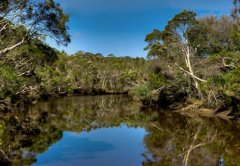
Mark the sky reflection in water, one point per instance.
(106, 146)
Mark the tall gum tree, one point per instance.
(21, 20)
(174, 39)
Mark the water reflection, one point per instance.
(84, 128)
(109, 146)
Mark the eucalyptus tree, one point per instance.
(21, 20)
(172, 43)
(213, 35)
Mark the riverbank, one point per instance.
(191, 106)
(174, 98)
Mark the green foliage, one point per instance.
(176, 29)
(217, 81)
(234, 55)
(93, 72)
(232, 82)
(228, 80)
(23, 21)
(155, 46)
(161, 42)
(208, 29)
(141, 91)
(130, 75)
(195, 45)
(156, 81)
(36, 69)
(9, 81)
(52, 80)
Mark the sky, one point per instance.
(119, 27)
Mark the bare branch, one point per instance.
(228, 65)
(195, 77)
(12, 47)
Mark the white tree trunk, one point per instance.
(11, 47)
(188, 62)
(186, 52)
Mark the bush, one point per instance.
(156, 81)
(141, 91)
(9, 81)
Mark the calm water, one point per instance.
(116, 146)
(113, 131)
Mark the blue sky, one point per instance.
(120, 26)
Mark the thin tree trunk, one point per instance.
(190, 67)
(186, 52)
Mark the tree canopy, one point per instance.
(35, 18)
(175, 32)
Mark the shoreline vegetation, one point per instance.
(79, 74)
(193, 64)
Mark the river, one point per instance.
(113, 130)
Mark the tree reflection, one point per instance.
(174, 139)
(171, 139)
